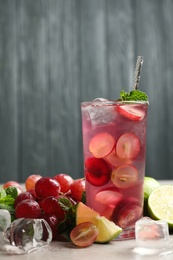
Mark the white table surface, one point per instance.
(117, 250)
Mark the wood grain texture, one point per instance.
(54, 54)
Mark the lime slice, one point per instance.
(107, 230)
(160, 204)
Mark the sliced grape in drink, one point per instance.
(97, 171)
(110, 197)
(101, 144)
(128, 146)
(124, 176)
(116, 161)
(127, 212)
(131, 111)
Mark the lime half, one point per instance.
(150, 184)
(160, 204)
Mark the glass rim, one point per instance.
(114, 102)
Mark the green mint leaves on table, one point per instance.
(7, 198)
(134, 95)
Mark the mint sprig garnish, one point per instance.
(134, 95)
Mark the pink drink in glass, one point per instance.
(114, 145)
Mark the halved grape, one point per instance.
(132, 111)
(115, 161)
(108, 197)
(84, 234)
(97, 171)
(127, 213)
(128, 146)
(101, 144)
(124, 176)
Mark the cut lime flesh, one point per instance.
(107, 230)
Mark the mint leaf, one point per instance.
(11, 191)
(7, 197)
(134, 95)
(2, 192)
(65, 204)
(8, 200)
(69, 222)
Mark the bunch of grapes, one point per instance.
(50, 198)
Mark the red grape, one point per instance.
(13, 184)
(31, 181)
(65, 181)
(47, 186)
(53, 222)
(127, 212)
(50, 205)
(27, 209)
(84, 234)
(101, 144)
(77, 189)
(23, 196)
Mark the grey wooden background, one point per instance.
(55, 54)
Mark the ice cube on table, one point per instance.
(5, 219)
(152, 237)
(26, 235)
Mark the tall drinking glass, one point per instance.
(114, 146)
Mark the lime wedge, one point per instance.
(160, 204)
(107, 230)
